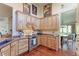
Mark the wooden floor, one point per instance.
(44, 51)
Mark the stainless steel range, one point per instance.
(32, 41)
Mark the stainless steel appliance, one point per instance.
(32, 41)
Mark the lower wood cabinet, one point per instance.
(0, 52)
(14, 48)
(43, 40)
(52, 42)
(5, 51)
(38, 39)
(23, 45)
(49, 41)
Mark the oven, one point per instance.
(32, 42)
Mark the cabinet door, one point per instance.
(50, 24)
(5, 51)
(0, 52)
(21, 20)
(43, 40)
(53, 42)
(14, 48)
(23, 45)
(50, 42)
(38, 38)
(46, 23)
(42, 24)
(55, 22)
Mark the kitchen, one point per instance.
(35, 25)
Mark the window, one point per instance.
(66, 29)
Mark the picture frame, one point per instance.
(47, 10)
(34, 9)
(26, 8)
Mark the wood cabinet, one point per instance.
(50, 23)
(36, 22)
(0, 52)
(14, 48)
(43, 24)
(49, 41)
(43, 40)
(52, 42)
(54, 23)
(21, 20)
(38, 39)
(23, 45)
(5, 51)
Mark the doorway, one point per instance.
(68, 37)
(67, 30)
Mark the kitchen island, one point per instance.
(16, 46)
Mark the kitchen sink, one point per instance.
(5, 41)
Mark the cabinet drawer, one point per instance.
(23, 41)
(23, 46)
(51, 37)
(23, 50)
(5, 48)
(14, 43)
(6, 51)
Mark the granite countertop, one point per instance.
(12, 40)
(16, 38)
(50, 33)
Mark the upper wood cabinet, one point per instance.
(23, 19)
(43, 24)
(20, 20)
(50, 23)
(55, 23)
(36, 22)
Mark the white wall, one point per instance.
(56, 7)
(15, 6)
